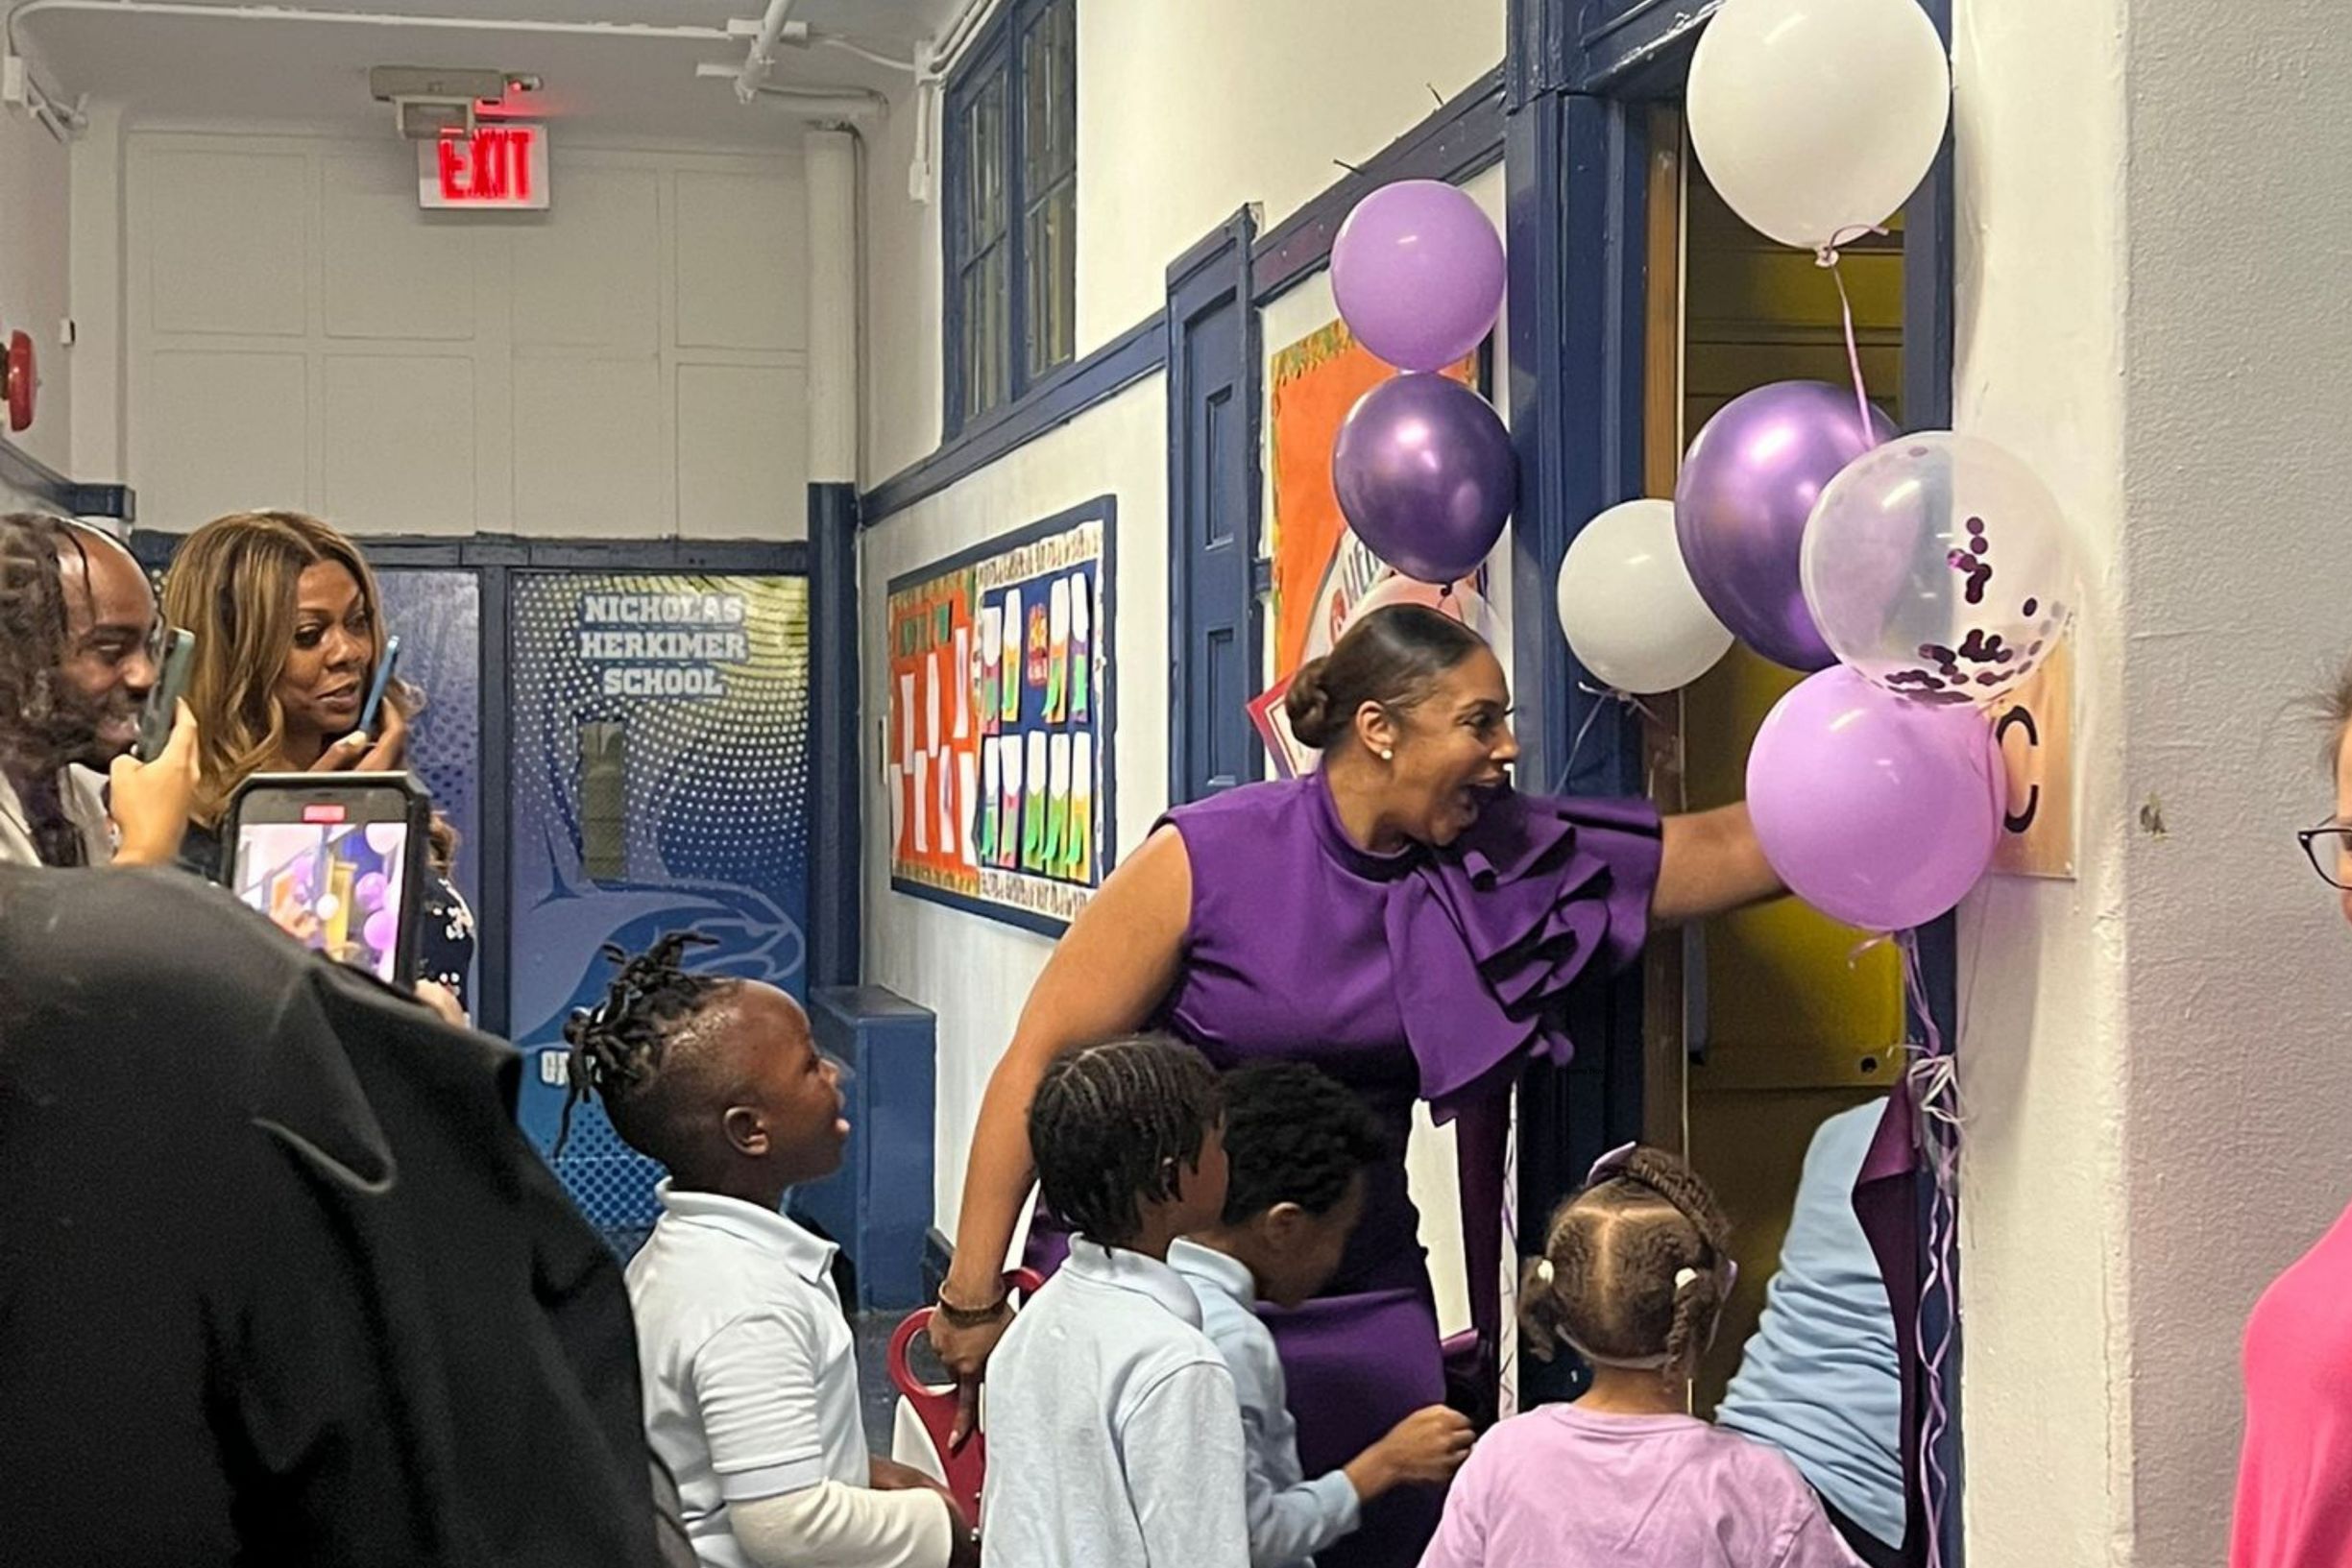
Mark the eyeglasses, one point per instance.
(2330, 849)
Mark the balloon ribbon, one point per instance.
(1932, 1080)
(1828, 257)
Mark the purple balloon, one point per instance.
(1425, 475)
(1741, 504)
(1876, 811)
(1417, 270)
(381, 929)
(369, 891)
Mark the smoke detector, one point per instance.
(428, 100)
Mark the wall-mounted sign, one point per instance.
(2036, 727)
(498, 168)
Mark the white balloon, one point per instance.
(1628, 605)
(1818, 118)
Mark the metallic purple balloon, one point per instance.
(1425, 475)
(1740, 508)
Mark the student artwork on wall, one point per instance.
(997, 747)
(1323, 574)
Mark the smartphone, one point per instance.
(336, 861)
(163, 701)
(384, 666)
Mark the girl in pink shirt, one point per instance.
(1633, 1276)
(2295, 1475)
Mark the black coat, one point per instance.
(281, 1282)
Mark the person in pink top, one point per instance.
(2294, 1475)
(1633, 1276)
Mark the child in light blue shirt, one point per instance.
(1296, 1145)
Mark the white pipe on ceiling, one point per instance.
(762, 56)
(675, 32)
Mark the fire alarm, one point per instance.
(22, 380)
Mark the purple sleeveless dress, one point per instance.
(1427, 974)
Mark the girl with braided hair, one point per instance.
(1633, 1275)
(750, 1371)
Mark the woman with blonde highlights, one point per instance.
(289, 630)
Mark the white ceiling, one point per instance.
(282, 67)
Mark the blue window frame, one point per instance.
(1010, 209)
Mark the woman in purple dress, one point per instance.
(1401, 919)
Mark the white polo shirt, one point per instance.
(1114, 1436)
(750, 1370)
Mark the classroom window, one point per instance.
(1011, 208)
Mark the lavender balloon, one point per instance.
(1425, 475)
(1418, 272)
(1741, 509)
(1876, 810)
(381, 929)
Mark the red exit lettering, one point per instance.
(490, 168)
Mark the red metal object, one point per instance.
(936, 1407)
(23, 382)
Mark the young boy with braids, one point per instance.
(1633, 1275)
(1297, 1143)
(750, 1370)
(1114, 1437)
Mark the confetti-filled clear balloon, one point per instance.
(1940, 567)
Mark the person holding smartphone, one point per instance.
(78, 663)
(290, 640)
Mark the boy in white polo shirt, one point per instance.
(1114, 1438)
(1297, 1144)
(750, 1369)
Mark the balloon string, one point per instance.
(1602, 696)
(1828, 257)
(1932, 1080)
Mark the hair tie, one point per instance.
(1543, 1270)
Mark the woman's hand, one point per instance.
(1710, 863)
(360, 752)
(444, 1002)
(150, 802)
(964, 1352)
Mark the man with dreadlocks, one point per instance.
(1114, 1430)
(750, 1369)
(76, 660)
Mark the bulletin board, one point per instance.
(998, 745)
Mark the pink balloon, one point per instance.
(382, 928)
(1876, 811)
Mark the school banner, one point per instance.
(998, 746)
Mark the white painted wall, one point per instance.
(2154, 1055)
(35, 276)
(973, 972)
(1186, 111)
(295, 331)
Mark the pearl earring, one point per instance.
(1387, 755)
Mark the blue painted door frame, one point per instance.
(1577, 78)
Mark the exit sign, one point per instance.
(496, 167)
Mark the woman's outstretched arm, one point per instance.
(1108, 973)
(1711, 863)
